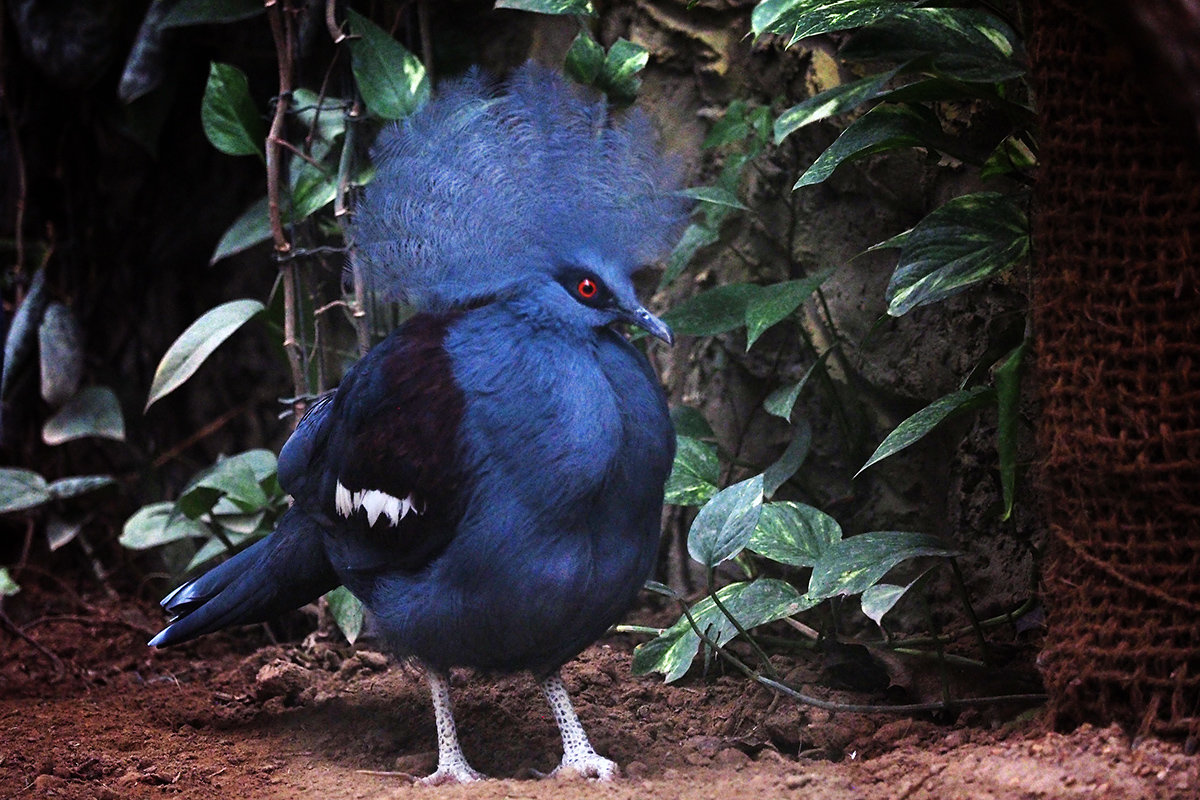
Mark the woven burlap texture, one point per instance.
(1117, 319)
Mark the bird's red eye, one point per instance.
(587, 288)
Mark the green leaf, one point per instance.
(621, 67)
(585, 59)
(61, 532)
(214, 548)
(853, 565)
(238, 478)
(1011, 157)
(60, 354)
(392, 80)
(1008, 399)
(206, 12)
(694, 237)
(732, 128)
(21, 489)
(694, 476)
(876, 601)
(22, 340)
(782, 401)
(64, 488)
(8, 587)
(251, 228)
(239, 484)
(236, 522)
(794, 533)
(689, 421)
(324, 117)
(724, 525)
(549, 6)
(831, 102)
(194, 345)
(968, 240)
(231, 120)
(347, 612)
(312, 189)
(800, 19)
(714, 311)
(774, 303)
(964, 44)
(915, 427)
(156, 524)
(93, 412)
(790, 462)
(714, 194)
(885, 127)
(753, 604)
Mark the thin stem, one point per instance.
(961, 586)
(910, 708)
(282, 32)
(358, 309)
(948, 704)
(7, 624)
(1006, 618)
(335, 29)
(291, 343)
(943, 669)
(301, 154)
(426, 37)
(639, 629)
(758, 651)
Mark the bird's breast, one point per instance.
(545, 420)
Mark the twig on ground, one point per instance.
(6, 622)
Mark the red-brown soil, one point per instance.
(221, 719)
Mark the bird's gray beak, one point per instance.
(651, 324)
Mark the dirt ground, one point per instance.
(222, 718)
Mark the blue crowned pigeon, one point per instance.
(488, 480)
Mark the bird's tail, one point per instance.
(283, 571)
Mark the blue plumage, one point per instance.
(488, 188)
(489, 479)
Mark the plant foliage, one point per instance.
(914, 64)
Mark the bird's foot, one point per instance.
(453, 774)
(587, 765)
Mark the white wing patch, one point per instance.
(374, 502)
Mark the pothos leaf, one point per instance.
(549, 6)
(392, 80)
(774, 303)
(831, 102)
(969, 239)
(1008, 396)
(194, 345)
(852, 565)
(724, 525)
(694, 476)
(751, 603)
(794, 533)
(885, 127)
(347, 612)
(231, 120)
(799, 19)
(915, 427)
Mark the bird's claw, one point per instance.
(592, 766)
(453, 775)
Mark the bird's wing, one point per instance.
(378, 459)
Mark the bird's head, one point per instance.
(525, 189)
(586, 293)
